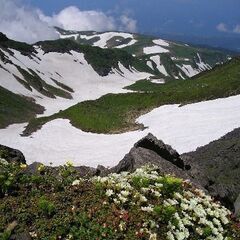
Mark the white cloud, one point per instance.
(73, 18)
(22, 23)
(222, 27)
(30, 25)
(128, 24)
(237, 29)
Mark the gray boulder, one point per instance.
(237, 207)
(21, 236)
(216, 167)
(11, 155)
(152, 151)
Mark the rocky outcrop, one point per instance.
(237, 207)
(11, 155)
(150, 150)
(216, 167)
(21, 236)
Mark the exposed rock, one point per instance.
(86, 171)
(150, 150)
(11, 155)
(33, 168)
(3, 37)
(237, 207)
(216, 167)
(21, 236)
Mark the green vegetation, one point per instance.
(32, 80)
(117, 112)
(16, 109)
(63, 86)
(24, 48)
(210, 56)
(46, 207)
(46, 203)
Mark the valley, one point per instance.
(117, 100)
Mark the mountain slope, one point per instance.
(61, 73)
(170, 59)
(64, 77)
(117, 113)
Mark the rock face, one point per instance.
(216, 167)
(21, 236)
(11, 155)
(150, 150)
(237, 207)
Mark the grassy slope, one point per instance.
(117, 112)
(15, 108)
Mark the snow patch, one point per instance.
(160, 66)
(154, 49)
(188, 70)
(161, 42)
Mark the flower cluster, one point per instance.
(186, 211)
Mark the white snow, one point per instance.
(180, 59)
(133, 41)
(154, 49)
(160, 66)
(185, 128)
(161, 42)
(202, 66)
(188, 70)
(75, 36)
(149, 63)
(158, 81)
(105, 37)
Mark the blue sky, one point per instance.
(206, 22)
(196, 17)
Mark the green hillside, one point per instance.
(16, 109)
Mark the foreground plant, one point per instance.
(186, 212)
(56, 203)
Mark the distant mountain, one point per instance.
(172, 60)
(222, 41)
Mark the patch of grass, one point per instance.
(33, 80)
(63, 86)
(117, 112)
(24, 48)
(210, 56)
(46, 207)
(16, 109)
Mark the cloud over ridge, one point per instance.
(31, 25)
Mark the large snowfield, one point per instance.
(184, 128)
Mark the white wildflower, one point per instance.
(75, 182)
(109, 192)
